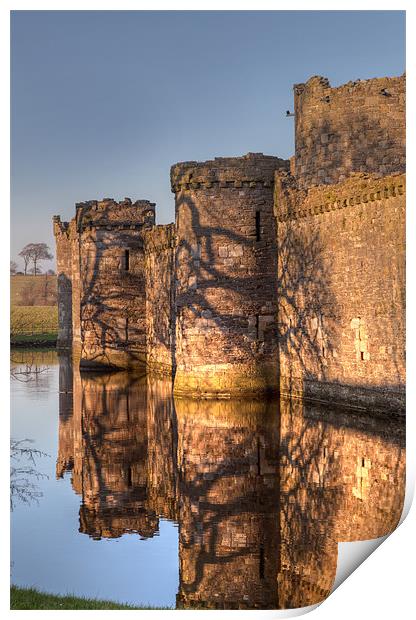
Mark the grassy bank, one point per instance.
(29, 598)
(33, 325)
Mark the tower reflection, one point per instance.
(228, 461)
(262, 491)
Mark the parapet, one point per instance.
(293, 203)
(59, 227)
(318, 86)
(246, 171)
(110, 214)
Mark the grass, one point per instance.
(34, 313)
(33, 324)
(30, 598)
(28, 339)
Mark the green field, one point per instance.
(33, 313)
(33, 324)
(29, 598)
(33, 290)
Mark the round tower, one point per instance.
(226, 275)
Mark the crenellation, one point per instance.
(227, 172)
(292, 203)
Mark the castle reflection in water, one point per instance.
(262, 491)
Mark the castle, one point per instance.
(278, 275)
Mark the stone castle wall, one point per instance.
(159, 247)
(342, 290)
(357, 127)
(76, 289)
(64, 272)
(226, 269)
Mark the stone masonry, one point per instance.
(226, 271)
(342, 289)
(357, 127)
(108, 281)
(277, 274)
(64, 270)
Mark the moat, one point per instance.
(148, 499)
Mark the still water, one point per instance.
(143, 499)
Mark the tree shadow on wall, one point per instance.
(197, 258)
(308, 309)
(302, 286)
(108, 308)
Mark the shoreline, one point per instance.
(31, 598)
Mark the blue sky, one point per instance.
(104, 102)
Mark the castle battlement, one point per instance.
(292, 203)
(110, 213)
(59, 227)
(251, 170)
(318, 85)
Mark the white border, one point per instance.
(383, 586)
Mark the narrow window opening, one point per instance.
(261, 562)
(127, 330)
(129, 478)
(363, 462)
(362, 356)
(126, 260)
(323, 351)
(257, 225)
(127, 407)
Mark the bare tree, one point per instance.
(35, 271)
(22, 487)
(35, 252)
(40, 251)
(26, 255)
(13, 267)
